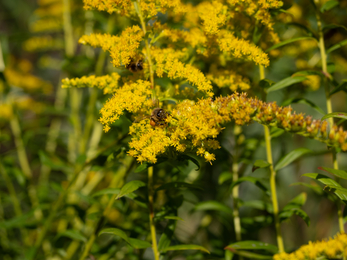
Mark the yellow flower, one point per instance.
(43, 43)
(109, 83)
(122, 48)
(48, 24)
(132, 97)
(123, 7)
(333, 248)
(27, 81)
(213, 15)
(240, 48)
(6, 111)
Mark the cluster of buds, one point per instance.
(243, 110)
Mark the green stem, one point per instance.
(328, 104)
(272, 178)
(53, 212)
(151, 213)
(273, 190)
(15, 201)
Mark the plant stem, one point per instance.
(24, 163)
(328, 104)
(272, 179)
(151, 213)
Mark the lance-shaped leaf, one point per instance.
(106, 191)
(322, 179)
(260, 164)
(336, 115)
(293, 207)
(337, 46)
(186, 247)
(136, 243)
(254, 245)
(73, 234)
(285, 83)
(213, 205)
(338, 191)
(130, 187)
(290, 157)
(302, 101)
(341, 87)
(338, 173)
(250, 255)
(289, 41)
(329, 5)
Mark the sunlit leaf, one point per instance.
(289, 41)
(260, 164)
(337, 46)
(186, 247)
(73, 234)
(322, 179)
(285, 83)
(254, 245)
(225, 176)
(107, 191)
(338, 191)
(290, 157)
(130, 187)
(329, 5)
(336, 115)
(173, 218)
(339, 173)
(138, 244)
(213, 205)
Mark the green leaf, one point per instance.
(333, 26)
(166, 237)
(73, 234)
(186, 247)
(290, 157)
(173, 218)
(251, 179)
(286, 83)
(338, 191)
(302, 101)
(130, 187)
(139, 244)
(336, 115)
(178, 185)
(286, 214)
(136, 243)
(299, 200)
(266, 83)
(106, 191)
(260, 164)
(341, 87)
(329, 5)
(251, 255)
(257, 204)
(337, 46)
(275, 132)
(289, 41)
(184, 157)
(254, 245)
(322, 179)
(213, 205)
(339, 173)
(224, 176)
(317, 189)
(142, 167)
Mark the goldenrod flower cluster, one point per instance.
(43, 43)
(213, 14)
(167, 61)
(119, 6)
(48, 24)
(27, 81)
(109, 83)
(49, 8)
(240, 48)
(227, 78)
(132, 97)
(335, 248)
(122, 48)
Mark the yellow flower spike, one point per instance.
(225, 78)
(213, 15)
(131, 97)
(240, 48)
(122, 48)
(109, 83)
(111, 6)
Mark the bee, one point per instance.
(157, 118)
(135, 65)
